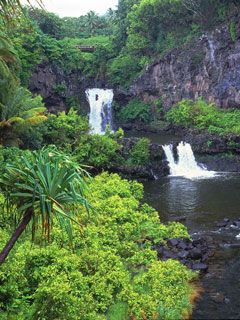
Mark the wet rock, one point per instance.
(236, 223)
(199, 266)
(182, 245)
(192, 253)
(168, 255)
(218, 297)
(196, 242)
(183, 254)
(226, 300)
(196, 254)
(179, 219)
(179, 75)
(222, 224)
(173, 242)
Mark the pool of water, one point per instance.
(204, 203)
(153, 137)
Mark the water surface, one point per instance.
(205, 202)
(161, 138)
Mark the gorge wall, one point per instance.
(208, 67)
(59, 89)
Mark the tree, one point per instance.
(19, 110)
(9, 8)
(92, 21)
(48, 22)
(42, 188)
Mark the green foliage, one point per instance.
(100, 151)
(47, 182)
(48, 22)
(27, 45)
(122, 70)
(146, 29)
(80, 27)
(11, 155)
(113, 273)
(63, 130)
(60, 89)
(233, 31)
(136, 111)
(18, 112)
(209, 143)
(140, 154)
(205, 116)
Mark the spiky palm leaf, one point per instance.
(48, 183)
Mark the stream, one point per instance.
(204, 203)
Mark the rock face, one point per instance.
(209, 68)
(156, 167)
(192, 253)
(58, 87)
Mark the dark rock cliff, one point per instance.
(209, 67)
(60, 89)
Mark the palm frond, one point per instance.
(49, 182)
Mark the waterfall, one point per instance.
(100, 101)
(186, 166)
(212, 51)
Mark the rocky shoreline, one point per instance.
(192, 253)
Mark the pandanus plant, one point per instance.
(43, 188)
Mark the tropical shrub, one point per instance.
(65, 129)
(39, 188)
(140, 154)
(136, 111)
(18, 112)
(98, 151)
(201, 115)
(113, 271)
(122, 70)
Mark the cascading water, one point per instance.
(186, 166)
(100, 101)
(212, 50)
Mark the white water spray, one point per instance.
(100, 101)
(186, 166)
(212, 50)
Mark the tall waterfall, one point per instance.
(186, 166)
(100, 101)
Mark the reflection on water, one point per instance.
(182, 194)
(204, 203)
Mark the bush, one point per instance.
(136, 111)
(113, 270)
(140, 154)
(98, 151)
(201, 115)
(123, 69)
(63, 130)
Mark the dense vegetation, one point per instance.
(146, 29)
(87, 250)
(205, 116)
(112, 273)
(139, 31)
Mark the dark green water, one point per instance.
(204, 203)
(153, 137)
